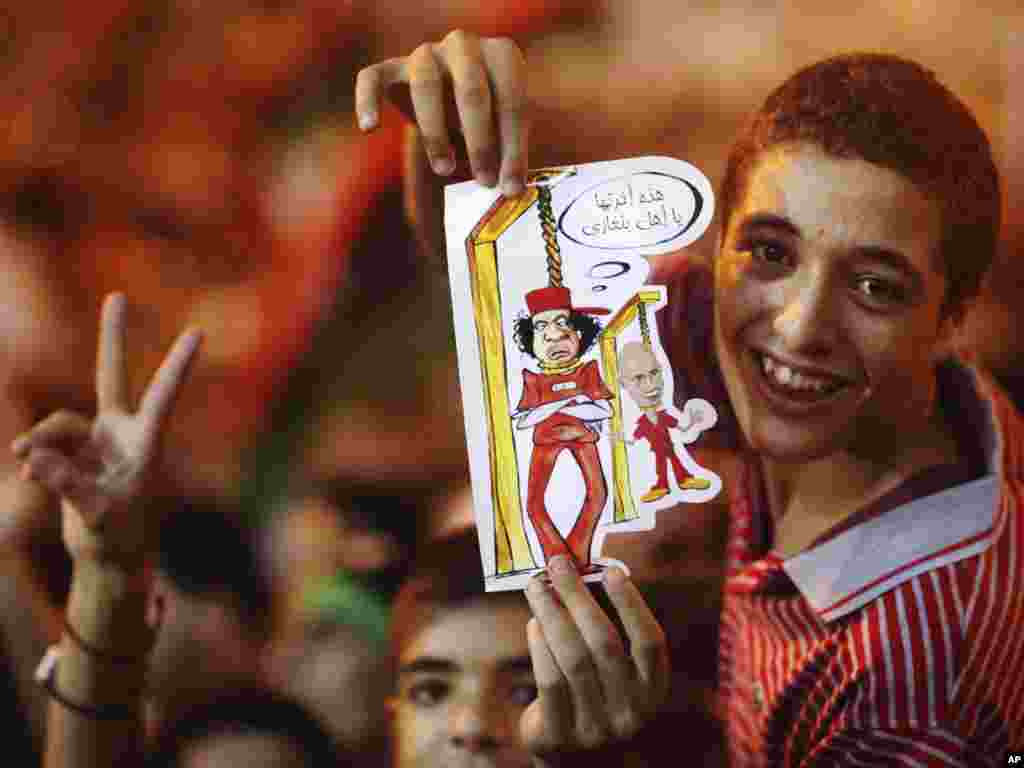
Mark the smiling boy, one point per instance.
(873, 601)
(876, 539)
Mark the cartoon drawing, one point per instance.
(540, 374)
(643, 378)
(565, 406)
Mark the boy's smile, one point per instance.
(828, 305)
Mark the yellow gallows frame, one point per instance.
(512, 549)
(625, 508)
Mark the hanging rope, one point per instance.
(548, 230)
(645, 331)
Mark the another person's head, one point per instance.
(555, 332)
(641, 374)
(463, 671)
(860, 211)
(253, 727)
(209, 605)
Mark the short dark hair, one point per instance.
(447, 574)
(251, 711)
(894, 113)
(206, 552)
(588, 328)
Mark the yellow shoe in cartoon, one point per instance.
(695, 484)
(654, 494)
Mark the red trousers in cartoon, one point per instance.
(656, 434)
(580, 538)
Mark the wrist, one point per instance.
(107, 608)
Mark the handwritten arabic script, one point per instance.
(643, 209)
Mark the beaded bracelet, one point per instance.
(46, 676)
(99, 653)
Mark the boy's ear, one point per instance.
(391, 707)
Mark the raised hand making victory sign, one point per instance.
(101, 469)
(99, 466)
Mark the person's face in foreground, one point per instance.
(463, 683)
(827, 307)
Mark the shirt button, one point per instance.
(758, 696)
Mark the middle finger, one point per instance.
(615, 669)
(426, 87)
(472, 86)
(574, 659)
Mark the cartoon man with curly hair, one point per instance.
(565, 404)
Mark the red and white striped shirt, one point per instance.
(899, 639)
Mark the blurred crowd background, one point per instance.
(203, 158)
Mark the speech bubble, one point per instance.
(643, 210)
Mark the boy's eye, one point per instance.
(540, 325)
(768, 252)
(879, 290)
(562, 322)
(428, 693)
(524, 694)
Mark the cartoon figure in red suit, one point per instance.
(565, 404)
(642, 377)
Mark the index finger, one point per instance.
(371, 82)
(110, 366)
(167, 381)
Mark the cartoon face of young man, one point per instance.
(828, 317)
(464, 680)
(556, 341)
(641, 374)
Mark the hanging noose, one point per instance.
(548, 230)
(645, 331)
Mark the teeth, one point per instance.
(787, 377)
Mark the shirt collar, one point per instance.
(849, 570)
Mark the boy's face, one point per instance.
(827, 306)
(463, 683)
(555, 340)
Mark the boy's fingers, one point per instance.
(371, 83)
(60, 428)
(548, 722)
(574, 659)
(53, 470)
(472, 87)
(647, 642)
(110, 365)
(616, 673)
(167, 382)
(507, 70)
(427, 88)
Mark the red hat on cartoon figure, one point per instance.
(552, 297)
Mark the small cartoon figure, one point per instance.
(564, 404)
(642, 377)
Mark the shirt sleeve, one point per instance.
(530, 398)
(912, 747)
(593, 385)
(643, 430)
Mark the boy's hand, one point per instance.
(591, 690)
(99, 467)
(466, 85)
